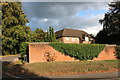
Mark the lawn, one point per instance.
(75, 67)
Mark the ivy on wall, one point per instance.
(79, 51)
(117, 48)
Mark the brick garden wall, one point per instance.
(107, 54)
(38, 52)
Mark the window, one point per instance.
(75, 39)
(86, 38)
(67, 38)
(83, 36)
(91, 39)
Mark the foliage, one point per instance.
(0, 23)
(24, 48)
(49, 56)
(117, 48)
(102, 37)
(0, 37)
(14, 29)
(79, 51)
(71, 67)
(50, 35)
(111, 24)
(24, 51)
(38, 35)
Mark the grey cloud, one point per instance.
(59, 14)
(57, 9)
(79, 22)
(43, 23)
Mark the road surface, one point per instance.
(9, 58)
(91, 76)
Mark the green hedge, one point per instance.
(117, 48)
(24, 48)
(79, 51)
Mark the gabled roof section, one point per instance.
(71, 33)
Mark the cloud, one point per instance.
(58, 9)
(93, 30)
(43, 23)
(61, 15)
(45, 20)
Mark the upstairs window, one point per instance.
(86, 38)
(83, 36)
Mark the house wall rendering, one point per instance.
(73, 40)
(70, 39)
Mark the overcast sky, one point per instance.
(74, 15)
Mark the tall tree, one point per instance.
(111, 23)
(0, 23)
(39, 35)
(51, 35)
(0, 27)
(14, 29)
(102, 37)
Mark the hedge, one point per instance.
(79, 51)
(117, 48)
(23, 48)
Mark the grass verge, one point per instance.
(67, 68)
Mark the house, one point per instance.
(74, 36)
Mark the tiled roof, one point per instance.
(71, 33)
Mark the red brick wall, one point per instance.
(107, 54)
(37, 53)
(87, 42)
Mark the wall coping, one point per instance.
(111, 45)
(39, 43)
(48, 43)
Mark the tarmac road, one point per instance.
(91, 76)
(104, 75)
(9, 58)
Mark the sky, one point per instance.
(74, 15)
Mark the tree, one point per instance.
(0, 26)
(111, 23)
(14, 29)
(51, 35)
(0, 29)
(102, 37)
(39, 35)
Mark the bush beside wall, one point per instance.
(24, 48)
(79, 51)
(117, 48)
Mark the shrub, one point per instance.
(49, 56)
(117, 48)
(79, 51)
(23, 48)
